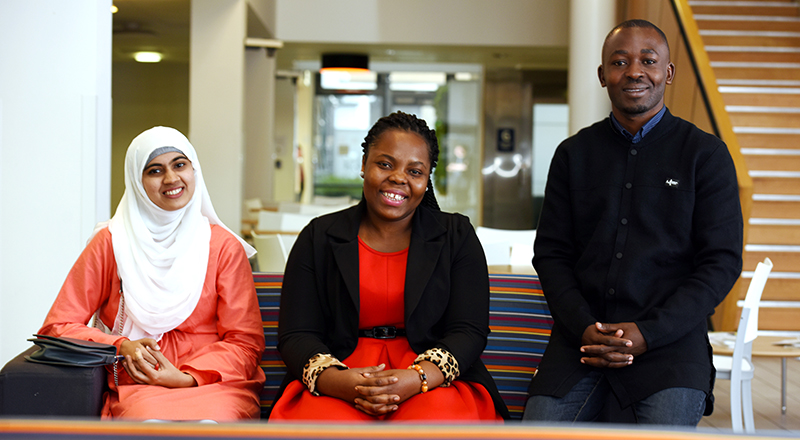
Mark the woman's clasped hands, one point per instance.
(374, 390)
(146, 365)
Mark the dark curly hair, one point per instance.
(410, 123)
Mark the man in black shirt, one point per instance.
(640, 237)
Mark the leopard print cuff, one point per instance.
(315, 366)
(446, 362)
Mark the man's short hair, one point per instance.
(638, 23)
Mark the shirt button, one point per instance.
(619, 255)
(624, 221)
(628, 185)
(611, 291)
(634, 152)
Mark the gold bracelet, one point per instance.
(422, 376)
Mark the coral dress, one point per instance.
(381, 293)
(219, 344)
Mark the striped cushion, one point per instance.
(268, 289)
(520, 322)
(519, 319)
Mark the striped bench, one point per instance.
(518, 317)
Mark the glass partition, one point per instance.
(449, 100)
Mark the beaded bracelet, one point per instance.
(445, 361)
(422, 376)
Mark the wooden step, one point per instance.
(768, 140)
(779, 288)
(782, 261)
(747, 23)
(777, 9)
(775, 209)
(763, 162)
(773, 185)
(774, 234)
(753, 54)
(788, 119)
(750, 71)
(768, 40)
(778, 319)
(761, 96)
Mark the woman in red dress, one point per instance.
(385, 306)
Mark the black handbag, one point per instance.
(72, 352)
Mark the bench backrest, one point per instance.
(520, 325)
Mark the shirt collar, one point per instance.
(635, 139)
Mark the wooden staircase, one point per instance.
(754, 49)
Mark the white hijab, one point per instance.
(161, 256)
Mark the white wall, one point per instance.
(55, 122)
(445, 22)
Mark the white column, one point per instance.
(55, 145)
(259, 125)
(589, 23)
(216, 100)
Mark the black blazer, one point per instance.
(446, 293)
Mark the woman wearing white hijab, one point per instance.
(171, 287)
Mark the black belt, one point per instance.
(382, 332)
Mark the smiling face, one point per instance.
(636, 70)
(168, 181)
(396, 171)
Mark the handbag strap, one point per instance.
(120, 326)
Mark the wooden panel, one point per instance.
(680, 95)
(751, 140)
(783, 120)
(782, 261)
(774, 234)
(772, 162)
(763, 99)
(773, 185)
(763, 209)
(756, 73)
(748, 9)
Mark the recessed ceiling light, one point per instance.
(147, 57)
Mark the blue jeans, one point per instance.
(584, 402)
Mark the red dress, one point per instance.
(381, 292)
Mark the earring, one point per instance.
(362, 174)
(426, 189)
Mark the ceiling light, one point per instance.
(147, 57)
(345, 62)
(114, 9)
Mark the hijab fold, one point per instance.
(161, 256)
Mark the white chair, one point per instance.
(282, 221)
(507, 246)
(739, 367)
(333, 200)
(272, 252)
(252, 206)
